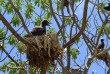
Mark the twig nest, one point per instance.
(103, 57)
(48, 49)
(76, 71)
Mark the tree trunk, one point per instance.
(68, 59)
(43, 69)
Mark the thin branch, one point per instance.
(92, 57)
(20, 16)
(54, 14)
(6, 23)
(101, 31)
(9, 56)
(100, 7)
(18, 68)
(83, 25)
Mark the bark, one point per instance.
(68, 59)
(83, 26)
(43, 69)
(6, 23)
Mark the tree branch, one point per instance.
(9, 56)
(100, 7)
(6, 23)
(83, 25)
(91, 58)
(20, 16)
(104, 23)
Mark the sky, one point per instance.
(83, 49)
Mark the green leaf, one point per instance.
(99, 30)
(12, 40)
(5, 63)
(12, 71)
(102, 5)
(29, 11)
(3, 70)
(1, 43)
(74, 53)
(31, 72)
(10, 9)
(87, 25)
(36, 2)
(16, 21)
(68, 20)
(50, 69)
(77, 1)
(0, 9)
(52, 30)
(21, 72)
(37, 21)
(77, 41)
(2, 33)
(19, 47)
(7, 69)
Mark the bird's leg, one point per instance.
(49, 44)
(45, 42)
(38, 44)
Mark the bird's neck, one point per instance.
(102, 42)
(44, 27)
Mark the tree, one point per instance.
(79, 25)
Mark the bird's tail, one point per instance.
(26, 35)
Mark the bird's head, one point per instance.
(102, 40)
(109, 4)
(45, 23)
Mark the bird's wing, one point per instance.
(99, 46)
(36, 29)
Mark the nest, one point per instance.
(76, 71)
(47, 50)
(103, 57)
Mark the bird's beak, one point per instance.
(48, 23)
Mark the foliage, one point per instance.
(16, 21)
(74, 53)
(12, 40)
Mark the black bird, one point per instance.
(107, 7)
(101, 45)
(66, 3)
(2, 38)
(103, 57)
(39, 30)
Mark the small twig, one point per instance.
(82, 28)
(20, 16)
(6, 23)
(100, 7)
(9, 56)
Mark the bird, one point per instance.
(39, 30)
(101, 45)
(107, 7)
(66, 3)
(103, 57)
(2, 38)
